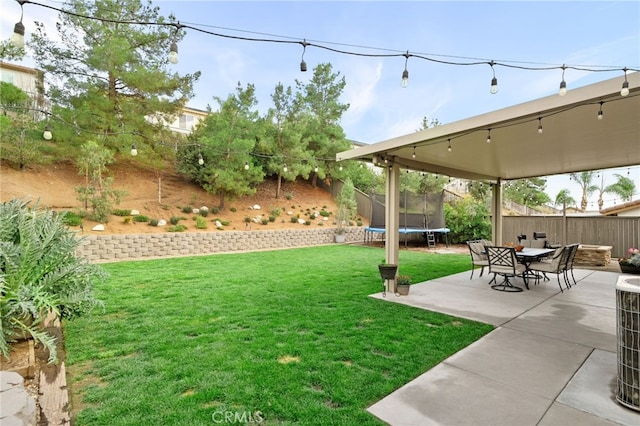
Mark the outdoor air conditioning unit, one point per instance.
(628, 335)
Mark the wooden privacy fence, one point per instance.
(618, 232)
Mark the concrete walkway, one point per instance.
(550, 361)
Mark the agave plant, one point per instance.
(40, 274)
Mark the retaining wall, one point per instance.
(109, 248)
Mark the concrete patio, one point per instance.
(550, 361)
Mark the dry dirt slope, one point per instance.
(160, 195)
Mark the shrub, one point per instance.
(294, 219)
(265, 221)
(40, 273)
(187, 209)
(307, 222)
(324, 213)
(201, 222)
(153, 222)
(204, 213)
(233, 209)
(225, 222)
(247, 219)
(215, 210)
(126, 220)
(140, 218)
(272, 218)
(177, 228)
(175, 219)
(122, 212)
(71, 219)
(289, 196)
(468, 220)
(275, 212)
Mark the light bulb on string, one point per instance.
(414, 152)
(489, 136)
(405, 74)
(303, 64)
(284, 168)
(540, 125)
(563, 84)
(625, 84)
(134, 150)
(17, 38)
(173, 53)
(200, 159)
(315, 169)
(246, 165)
(494, 80)
(340, 168)
(449, 147)
(600, 113)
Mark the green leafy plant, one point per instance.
(177, 228)
(121, 212)
(153, 222)
(140, 218)
(201, 223)
(403, 280)
(40, 274)
(71, 219)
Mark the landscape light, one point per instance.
(47, 133)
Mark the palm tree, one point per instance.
(564, 198)
(585, 179)
(624, 188)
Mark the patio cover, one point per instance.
(573, 140)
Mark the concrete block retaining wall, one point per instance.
(109, 248)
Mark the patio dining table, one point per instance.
(529, 255)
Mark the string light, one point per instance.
(600, 113)
(414, 152)
(17, 38)
(200, 159)
(315, 169)
(441, 59)
(405, 74)
(539, 125)
(625, 84)
(563, 84)
(449, 147)
(134, 150)
(246, 165)
(494, 80)
(489, 136)
(173, 53)
(285, 169)
(303, 64)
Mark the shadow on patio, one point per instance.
(550, 361)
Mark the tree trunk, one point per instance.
(221, 204)
(278, 186)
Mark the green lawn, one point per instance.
(290, 334)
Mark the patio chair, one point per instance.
(556, 264)
(503, 262)
(569, 263)
(478, 255)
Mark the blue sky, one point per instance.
(533, 33)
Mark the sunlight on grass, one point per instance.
(291, 334)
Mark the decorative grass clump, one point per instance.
(301, 342)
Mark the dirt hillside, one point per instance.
(163, 194)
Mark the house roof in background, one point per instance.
(630, 205)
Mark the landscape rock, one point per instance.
(218, 224)
(134, 212)
(195, 211)
(301, 221)
(98, 227)
(256, 206)
(162, 222)
(290, 213)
